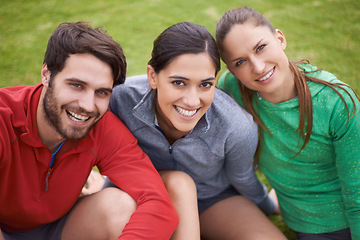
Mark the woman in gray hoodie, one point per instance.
(184, 124)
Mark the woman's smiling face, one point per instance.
(185, 91)
(255, 55)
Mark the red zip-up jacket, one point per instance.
(33, 194)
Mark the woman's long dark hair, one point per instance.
(183, 38)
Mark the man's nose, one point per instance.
(87, 101)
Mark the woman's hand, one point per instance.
(272, 195)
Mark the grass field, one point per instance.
(326, 32)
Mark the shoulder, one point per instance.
(111, 141)
(227, 82)
(336, 100)
(321, 90)
(15, 101)
(226, 104)
(232, 129)
(16, 94)
(110, 127)
(128, 94)
(227, 112)
(313, 71)
(230, 84)
(133, 85)
(110, 121)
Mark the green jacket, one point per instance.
(319, 190)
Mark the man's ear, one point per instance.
(45, 75)
(281, 37)
(151, 75)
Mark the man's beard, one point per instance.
(52, 114)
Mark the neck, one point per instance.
(171, 133)
(285, 93)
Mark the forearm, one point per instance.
(268, 206)
(155, 217)
(151, 221)
(251, 188)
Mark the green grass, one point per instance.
(326, 32)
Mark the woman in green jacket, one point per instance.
(309, 125)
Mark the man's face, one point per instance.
(78, 96)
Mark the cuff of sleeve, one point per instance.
(267, 205)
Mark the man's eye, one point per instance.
(76, 85)
(102, 93)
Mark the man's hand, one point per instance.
(93, 184)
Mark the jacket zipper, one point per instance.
(47, 180)
(52, 158)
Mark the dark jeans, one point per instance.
(50, 231)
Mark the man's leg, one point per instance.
(102, 215)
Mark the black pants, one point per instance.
(337, 235)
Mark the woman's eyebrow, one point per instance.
(258, 44)
(187, 79)
(179, 77)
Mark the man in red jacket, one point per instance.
(54, 133)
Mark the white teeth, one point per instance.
(186, 113)
(266, 76)
(76, 117)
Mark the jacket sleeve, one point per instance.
(239, 160)
(346, 135)
(128, 167)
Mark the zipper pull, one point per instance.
(47, 180)
(170, 149)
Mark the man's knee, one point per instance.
(116, 201)
(102, 215)
(115, 207)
